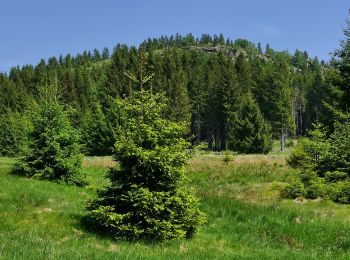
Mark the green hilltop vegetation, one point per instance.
(206, 81)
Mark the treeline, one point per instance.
(323, 157)
(230, 94)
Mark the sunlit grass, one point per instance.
(246, 217)
(98, 162)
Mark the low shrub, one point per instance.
(335, 176)
(324, 164)
(316, 188)
(228, 157)
(289, 143)
(294, 189)
(341, 191)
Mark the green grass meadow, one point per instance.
(246, 217)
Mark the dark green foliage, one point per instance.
(179, 108)
(336, 90)
(54, 150)
(243, 70)
(14, 128)
(290, 143)
(272, 91)
(204, 79)
(249, 132)
(339, 156)
(324, 164)
(335, 176)
(341, 63)
(328, 153)
(97, 136)
(146, 199)
(12, 94)
(221, 99)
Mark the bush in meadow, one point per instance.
(146, 198)
(53, 149)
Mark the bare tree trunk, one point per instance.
(283, 135)
(198, 124)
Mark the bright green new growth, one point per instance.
(54, 149)
(324, 165)
(145, 199)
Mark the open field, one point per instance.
(246, 218)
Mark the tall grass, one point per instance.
(246, 217)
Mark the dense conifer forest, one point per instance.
(229, 94)
(182, 147)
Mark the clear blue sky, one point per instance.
(35, 29)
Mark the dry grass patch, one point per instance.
(216, 161)
(99, 162)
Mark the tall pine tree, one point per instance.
(249, 132)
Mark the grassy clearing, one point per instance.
(246, 216)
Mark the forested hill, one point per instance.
(208, 82)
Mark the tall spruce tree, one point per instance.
(243, 71)
(54, 150)
(97, 135)
(221, 82)
(339, 79)
(249, 132)
(273, 94)
(179, 109)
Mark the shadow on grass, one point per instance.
(88, 226)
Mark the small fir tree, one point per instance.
(249, 132)
(146, 199)
(13, 133)
(324, 164)
(54, 150)
(312, 152)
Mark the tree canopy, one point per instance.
(205, 80)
